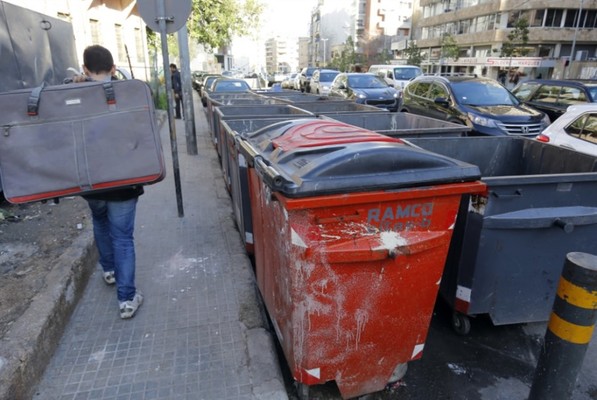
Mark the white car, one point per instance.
(576, 129)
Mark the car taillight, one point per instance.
(543, 138)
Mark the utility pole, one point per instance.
(572, 55)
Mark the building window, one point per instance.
(516, 16)
(94, 30)
(65, 16)
(538, 18)
(554, 18)
(120, 42)
(139, 46)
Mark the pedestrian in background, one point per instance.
(176, 88)
(113, 212)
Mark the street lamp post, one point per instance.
(572, 55)
(324, 40)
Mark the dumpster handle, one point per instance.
(517, 193)
(566, 218)
(368, 248)
(268, 173)
(252, 153)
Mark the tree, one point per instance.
(213, 23)
(517, 40)
(346, 58)
(449, 47)
(413, 54)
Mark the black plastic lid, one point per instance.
(353, 166)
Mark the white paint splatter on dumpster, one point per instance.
(390, 240)
(362, 318)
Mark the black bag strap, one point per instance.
(33, 102)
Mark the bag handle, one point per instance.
(34, 97)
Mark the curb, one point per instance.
(33, 338)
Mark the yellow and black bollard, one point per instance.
(569, 330)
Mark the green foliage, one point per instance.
(450, 47)
(213, 23)
(347, 57)
(413, 54)
(517, 40)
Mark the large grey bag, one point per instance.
(78, 138)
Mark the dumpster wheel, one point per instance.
(461, 323)
(302, 390)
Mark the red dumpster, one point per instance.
(351, 236)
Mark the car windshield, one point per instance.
(483, 93)
(231, 86)
(406, 74)
(593, 93)
(327, 76)
(366, 82)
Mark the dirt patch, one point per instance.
(32, 237)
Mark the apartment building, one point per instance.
(281, 55)
(481, 27)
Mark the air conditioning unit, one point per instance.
(582, 55)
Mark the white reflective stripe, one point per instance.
(241, 160)
(418, 348)
(315, 372)
(296, 239)
(463, 293)
(249, 237)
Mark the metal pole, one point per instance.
(161, 20)
(569, 330)
(572, 55)
(187, 90)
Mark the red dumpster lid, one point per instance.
(324, 133)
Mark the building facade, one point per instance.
(281, 55)
(480, 29)
(114, 24)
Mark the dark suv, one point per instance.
(553, 97)
(305, 78)
(480, 103)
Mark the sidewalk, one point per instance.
(201, 332)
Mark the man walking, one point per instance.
(113, 211)
(176, 88)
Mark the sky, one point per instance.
(285, 18)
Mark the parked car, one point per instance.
(288, 82)
(576, 129)
(321, 81)
(229, 85)
(480, 103)
(365, 88)
(206, 87)
(197, 79)
(396, 76)
(297, 82)
(305, 79)
(553, 97)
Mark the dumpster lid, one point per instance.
(299, 169)
(325, 132)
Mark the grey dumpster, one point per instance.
(260, 111)
(509, 245)
(233, 131)
(218, 99)
(337, 107)
(402, 125)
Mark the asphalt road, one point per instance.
(490, 363)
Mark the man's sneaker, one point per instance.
(109, 278)
(129, 308)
